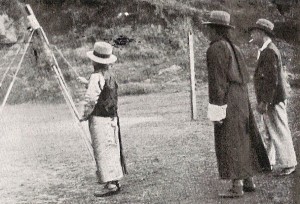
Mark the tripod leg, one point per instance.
(9, 66)
(15, 75)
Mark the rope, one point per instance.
(62, 56)
(15, 75)
(9, 66)
(70, 103)
(72, 108)
(63, 79)
(67, 97)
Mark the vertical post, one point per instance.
(192, 72)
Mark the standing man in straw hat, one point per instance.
(271, 91)
(100, 109)
(239, 149)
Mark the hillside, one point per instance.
(157, 55)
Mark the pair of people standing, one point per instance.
(240, 150)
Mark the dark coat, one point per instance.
(239, 148)
(269, 79)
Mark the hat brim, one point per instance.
(218, 24)
(112, 59)
(270, 33)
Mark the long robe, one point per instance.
(101, 109)
(239, 148)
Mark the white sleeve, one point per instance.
(216, 113)
(93, 91)
(92, 94)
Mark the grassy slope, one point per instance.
(160, 32)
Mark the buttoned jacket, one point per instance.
(269, 78)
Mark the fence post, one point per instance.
(192, 73)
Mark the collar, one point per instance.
(216, 40)
(265, 45)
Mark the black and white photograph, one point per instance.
(149, 101)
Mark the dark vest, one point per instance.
(107, 104)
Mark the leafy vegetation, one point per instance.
(159, 30)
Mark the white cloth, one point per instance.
(278, 137)
(216, 113)
(105, 142)
(93, 92)
(265, 45)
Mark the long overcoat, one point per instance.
(239, 148)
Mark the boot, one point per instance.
(110, 188)
(249, 185)
(236, 191)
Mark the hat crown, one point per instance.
(102, 53)
(265, 23)
(220, 17)
(103, 48)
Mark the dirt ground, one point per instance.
(170, 158)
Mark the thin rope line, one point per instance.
(9, 66)
(15, 75)
(62, 56)
(74, 112)
(67, 96)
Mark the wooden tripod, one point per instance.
(38, 30)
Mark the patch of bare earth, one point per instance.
(170, 158)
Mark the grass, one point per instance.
(158, 44)
(170, 158)
(138, 89)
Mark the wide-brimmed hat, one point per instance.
(220, 18)
(264, 25)
(102, 53)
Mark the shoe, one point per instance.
(249, 189)
(287, 171)
(108, 190)
(249, 185)
(237, 192)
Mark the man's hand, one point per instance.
(262, 107)
(82, 80)
(83, 119)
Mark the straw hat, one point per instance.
(264, 25)
(220, 18)
(102, 53)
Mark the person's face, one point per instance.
(257, 37)
(103, 67)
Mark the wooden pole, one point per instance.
(61, 81)
(9, 66)
(192, 73)
(16, 73)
